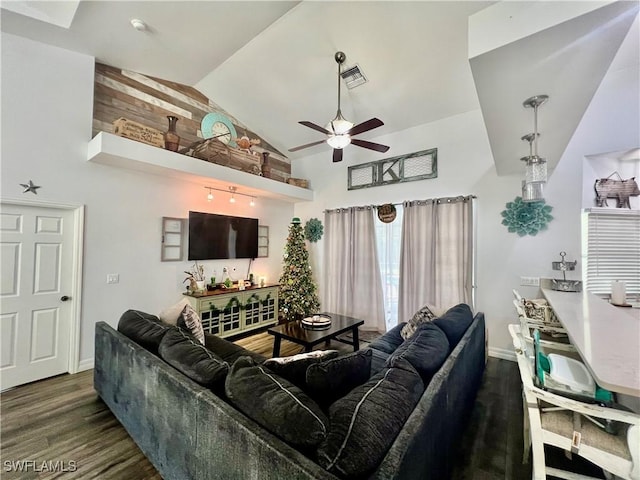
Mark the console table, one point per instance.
(226, 312)
(606, 337)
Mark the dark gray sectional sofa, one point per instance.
(192, 431)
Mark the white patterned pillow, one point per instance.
(190, 319)
(172, 314)
(425, 314)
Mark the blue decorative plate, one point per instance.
(210, 129)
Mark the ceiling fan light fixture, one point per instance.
(339, 141)
(339, 125)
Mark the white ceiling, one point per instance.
(270, 63)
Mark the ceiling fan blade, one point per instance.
(315, 127)
(337, 155)
(295, 149)
(370, 145)
(365, 126)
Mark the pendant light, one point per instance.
(535, 166)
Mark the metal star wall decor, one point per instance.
(30, 187)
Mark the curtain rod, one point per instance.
(428, 200)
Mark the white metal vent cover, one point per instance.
(353, 77)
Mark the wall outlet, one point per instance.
(113, 278)
(530, 281)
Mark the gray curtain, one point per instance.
(436, 258)
(351, 283)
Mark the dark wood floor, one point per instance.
(62, 420)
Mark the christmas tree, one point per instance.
(298, 291)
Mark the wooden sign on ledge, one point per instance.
(137, 131)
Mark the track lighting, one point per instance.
(234, 191)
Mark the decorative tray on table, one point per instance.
(317, 321)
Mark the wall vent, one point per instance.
(353, 77)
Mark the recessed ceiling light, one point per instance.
(138, 24)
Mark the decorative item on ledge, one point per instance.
(138, 132)
(619, 189)
(171, 138)
(299, 182)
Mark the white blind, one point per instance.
(612, 248)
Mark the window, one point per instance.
(388, 242)
(611, 249)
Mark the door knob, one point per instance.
(64, 298)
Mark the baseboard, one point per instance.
(502, 353)
(85, 364)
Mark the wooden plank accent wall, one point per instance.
(148, 101)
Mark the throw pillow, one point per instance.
(426, 350)
(190, 320)
(186, 354)
(366, 421)
(294, 368)
(275, 403)
(170, 315)
(455, 322)
(332, 379)
(143, 328)
(425, 314)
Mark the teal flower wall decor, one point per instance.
(313, 230)
(526, 218)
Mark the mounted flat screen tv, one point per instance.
(213, 237)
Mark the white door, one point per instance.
(35, 294)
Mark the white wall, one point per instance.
(47, 102)
(465, 166)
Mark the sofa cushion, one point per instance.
(229, 351)
(171, 315)
(455, 322)
(294, 368)
(366, 421)
(426, 350)
(332, 379)
(425, 314)
(143, 328)
(190, 320)
(275, 403)
(185, 353)
(391, 340)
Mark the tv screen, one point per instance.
(213, 236)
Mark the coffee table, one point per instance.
(295, 332)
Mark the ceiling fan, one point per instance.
(339, 131)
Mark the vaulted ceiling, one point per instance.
(270, 63)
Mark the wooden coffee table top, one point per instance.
(294, 330)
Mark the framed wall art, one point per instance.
(403, 168)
